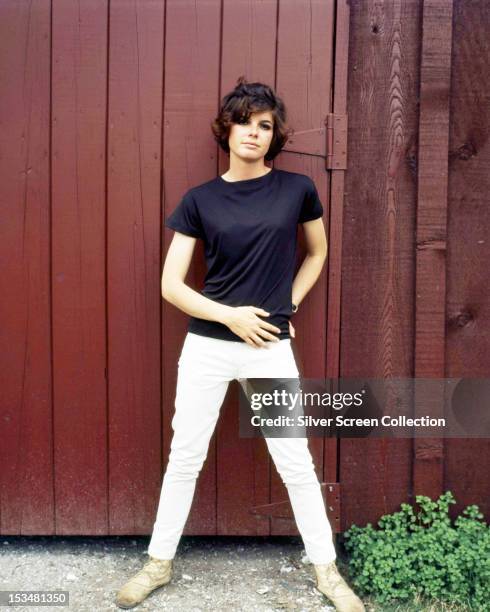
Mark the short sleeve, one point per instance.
(185, 218)
(312, 207)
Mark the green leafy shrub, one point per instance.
(423, 554)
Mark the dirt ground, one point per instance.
(210, 573)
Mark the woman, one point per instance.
(240, 323)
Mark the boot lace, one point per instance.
(334, 581)
(153, 570)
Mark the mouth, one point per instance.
(250, 144)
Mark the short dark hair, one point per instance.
(245, 99)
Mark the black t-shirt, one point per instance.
(249, 231)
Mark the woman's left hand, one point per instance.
(292, 331)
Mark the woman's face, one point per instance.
(258, 129)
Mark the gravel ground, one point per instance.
(210, 573)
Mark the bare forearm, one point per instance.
(194, 304)
(307, 276)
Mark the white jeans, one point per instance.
(206, 366)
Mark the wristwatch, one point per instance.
(294, 307)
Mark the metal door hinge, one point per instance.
(329, 141)
(283, 510)
(307, 142)
(336, 158)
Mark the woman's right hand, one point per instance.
(244, 322)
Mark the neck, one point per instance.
(241, 170)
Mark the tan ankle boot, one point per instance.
(331, 584)
(155, 573)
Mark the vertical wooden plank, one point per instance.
(248, 48)
(467, 461)
(189, 158)
(431, 232)
(78, 265)
(133, 260)
(304, 80)
(337, 181)
(26, 475)
(377, 243)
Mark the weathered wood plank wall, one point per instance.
(419, 115)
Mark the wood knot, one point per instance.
(464, 152)
(461, 319)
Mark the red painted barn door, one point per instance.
(106, 129)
